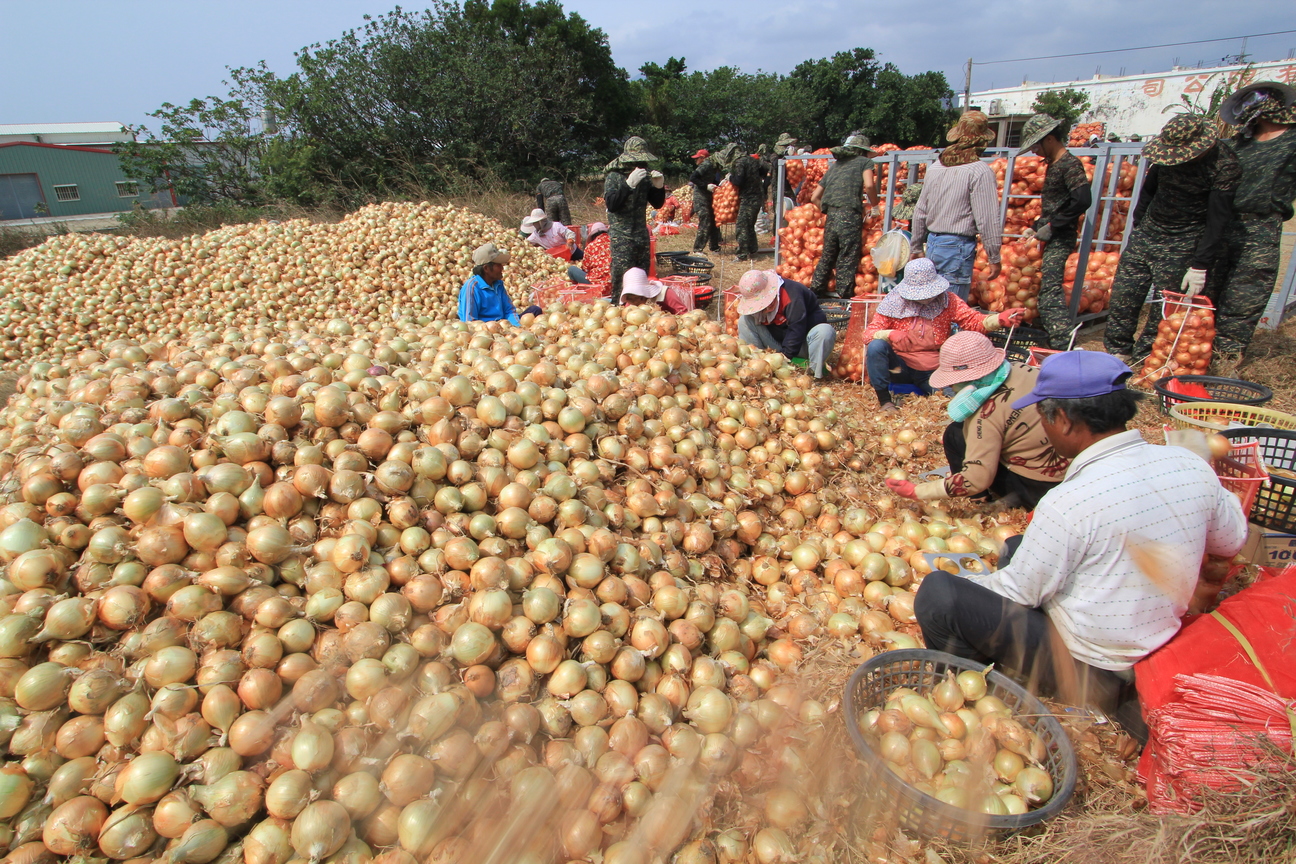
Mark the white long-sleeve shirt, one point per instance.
(960, 200)
(557, 235)
(1074, 560)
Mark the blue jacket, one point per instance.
(800, 314)
(479, 300)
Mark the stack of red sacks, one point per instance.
(1216, 691)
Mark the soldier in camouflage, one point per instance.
(1244, 279)
(704, 179)
(551, 198)
(1183, 210)
(1064, 199)
(841, 195)
(748, 175)
(627, 191)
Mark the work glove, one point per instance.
(636, 177)
(1044, 234)
(1011, 317)
(884, 335)
(657, 179)
(930, 491)
(903, 488)
(871, 212)
(1193, 282)
(711, 187)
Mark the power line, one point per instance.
(1141, 48)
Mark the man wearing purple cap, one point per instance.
(1072, 609)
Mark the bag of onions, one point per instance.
(724, 203)
(1185, 338)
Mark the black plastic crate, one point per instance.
(1275, 502)
(1233, 390)
(693, 265)
(838, 313)
(917, 812)
(1022, 340)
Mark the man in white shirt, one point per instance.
(1108, 565)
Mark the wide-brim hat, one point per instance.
(973, 127)
(921, 281)
(756, 289)
(854, 145)
(637, 283)
(966, 356)
(489, 253)
(727, 154)
(1035, 129)
(537, 216)
(1231, 107)
(785, 140)
(1183, 139)
(634, 152)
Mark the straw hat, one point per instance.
(921, 281)
(1036, 128)
(636, 282)
(1183, 139)
(966, 356)
(756, 290)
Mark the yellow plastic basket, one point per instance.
(1216, 416)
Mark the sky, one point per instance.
(93, 60)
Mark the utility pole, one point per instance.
(967, 88)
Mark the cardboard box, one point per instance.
(1269, 548)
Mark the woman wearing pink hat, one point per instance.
(993, 450)
(913, 321)
(778, 314)
(542, 231)
(638, 290)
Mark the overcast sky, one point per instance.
(84, 60)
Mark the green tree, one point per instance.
(505, 89)
(1066, 105)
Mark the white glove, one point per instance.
(636, 177)
(711, 187)
(1193, 282)
(1028, 234)
(657, 179)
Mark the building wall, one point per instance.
(1136, 104)
(95, 172)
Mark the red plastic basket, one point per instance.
(1038, 355)
(586, 293)
(1242, 473)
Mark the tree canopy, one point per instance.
(1066, 105)
(481, 90)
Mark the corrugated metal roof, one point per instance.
(56, 128)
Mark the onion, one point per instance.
(74, 825)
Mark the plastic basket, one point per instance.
(693, 264)
(586, 293)
(1242, 472)
(838, 313)
(666, 261)
(1017, 342)
(1275, 500)
(1216, 416)
(1220, 389)
(1039, 355)
(919, 813)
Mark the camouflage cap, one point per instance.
(1035, 129)
(1183, 139)
(854, 145)
(634, 152)
(727, 154)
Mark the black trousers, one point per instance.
(1006, 481)
(962, 618)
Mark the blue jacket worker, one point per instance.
(483, 297)
(778, 314)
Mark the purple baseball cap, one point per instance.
(1076, 375)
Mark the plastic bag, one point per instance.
(891, 253)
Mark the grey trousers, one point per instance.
(819, 342)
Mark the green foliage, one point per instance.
(852, 91)
(1066, 105)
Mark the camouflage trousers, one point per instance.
(629, 249)
(1055, 316)
(1156, 257)
(708, 232)
(1243, 280)
(842, 247)
(748, 210)
(557, 210)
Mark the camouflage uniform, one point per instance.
(627, 216)
(708, 231)
(1244, 278)
(1059, 209)
(748, 176)
(1179, 221)
(551, 198)
(843, 241)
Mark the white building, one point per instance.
(66, 134)
(1128, 104)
